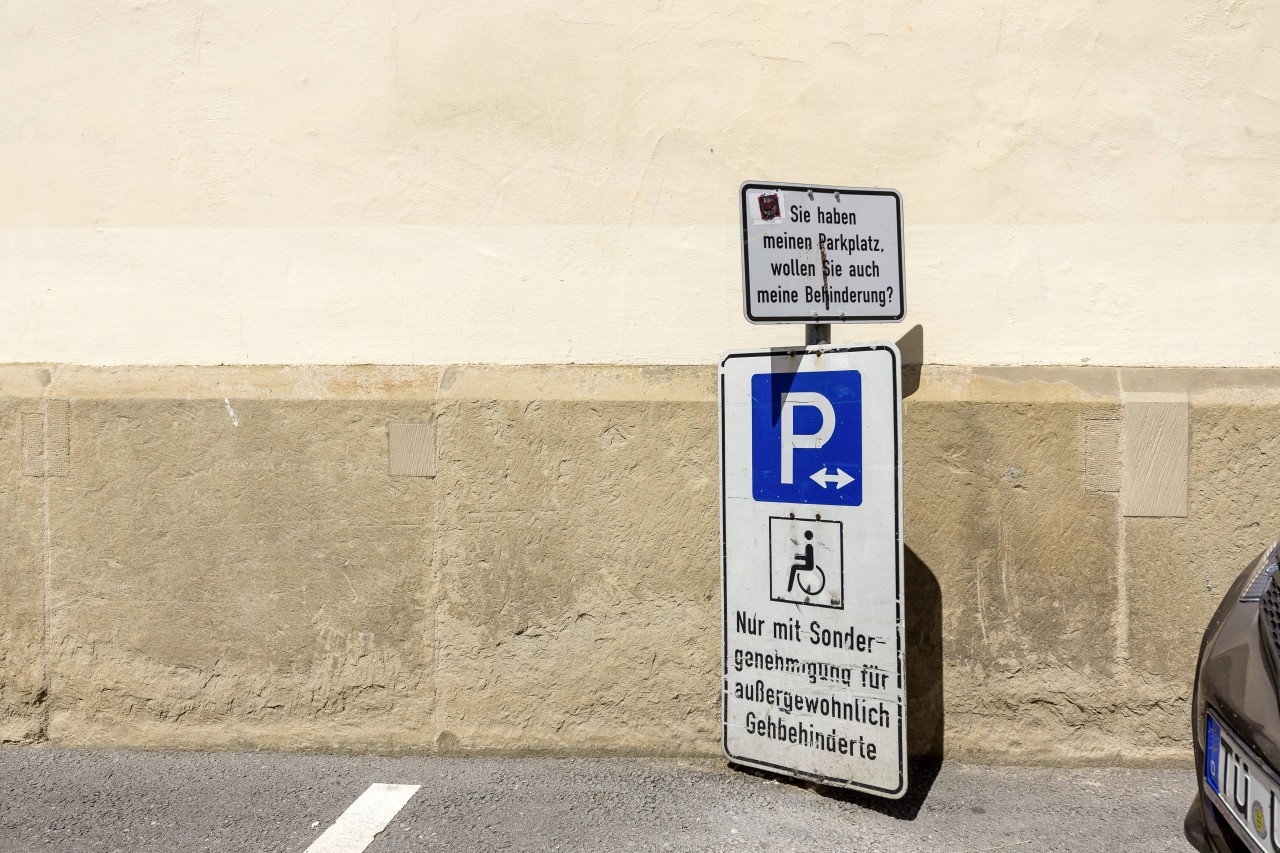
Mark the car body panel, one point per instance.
(1236, 677)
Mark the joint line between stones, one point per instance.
(46, 709)
(1122, 559)
(435, 568)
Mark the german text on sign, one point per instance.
(821, 254)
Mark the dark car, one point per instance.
(1235, 718)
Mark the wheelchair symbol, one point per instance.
(809, 585)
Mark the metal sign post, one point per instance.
(811, 496)
(816, 334)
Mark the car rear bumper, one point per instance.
(1236, 677)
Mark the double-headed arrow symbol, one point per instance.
(840, 478)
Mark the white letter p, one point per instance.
(790, 441)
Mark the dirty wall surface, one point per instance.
(221, 558)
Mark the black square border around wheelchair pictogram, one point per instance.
(799, 599)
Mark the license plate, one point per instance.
(1246, 789)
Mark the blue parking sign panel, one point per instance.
(806, 437)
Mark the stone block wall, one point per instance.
(221, 558)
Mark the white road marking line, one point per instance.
(353, 831)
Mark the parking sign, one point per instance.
(806, 437)
(811, 507)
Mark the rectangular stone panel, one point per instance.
(1155, 454)
(411, 450)
(1180, 567)
(579, 575)
(1102, 452)
(33, 444)
(46, 440)
(999, 513)
(263, 583)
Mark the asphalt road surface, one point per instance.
(64, 800)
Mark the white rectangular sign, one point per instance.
(811, 509)
(821, 254)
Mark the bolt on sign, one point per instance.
(821, 254)
(811, 508)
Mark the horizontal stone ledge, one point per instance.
(657, 383)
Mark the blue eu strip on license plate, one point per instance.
(1213, 735)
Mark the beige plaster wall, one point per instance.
(228, 564)
(486, 182)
